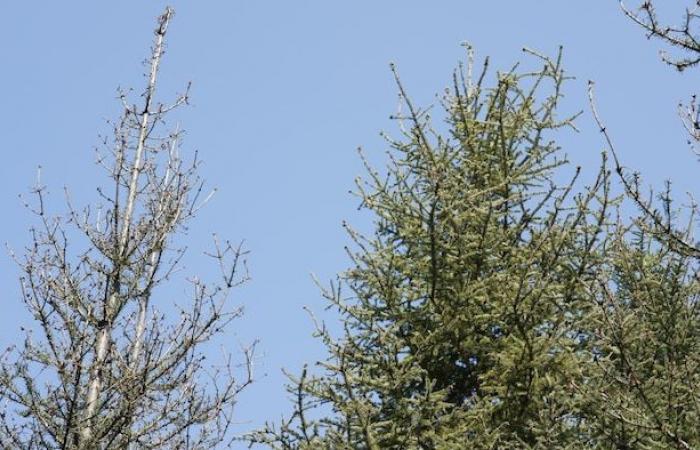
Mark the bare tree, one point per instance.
(684, 39)
(112, 368)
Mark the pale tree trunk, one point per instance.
(116, 371)
(111, 306)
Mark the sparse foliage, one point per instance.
(685, 38)
(113, 362)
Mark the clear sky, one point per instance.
(283, 93)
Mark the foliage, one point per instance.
(492, 307)
(464, 322)
(643, 390)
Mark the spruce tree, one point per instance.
(464, 313)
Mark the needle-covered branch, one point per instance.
(462, 312)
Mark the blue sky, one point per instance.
(283, 94)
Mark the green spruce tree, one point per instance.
(492, 307)
(463, 325)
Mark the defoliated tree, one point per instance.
(106, 367)
(682, 38)
(463, 314)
